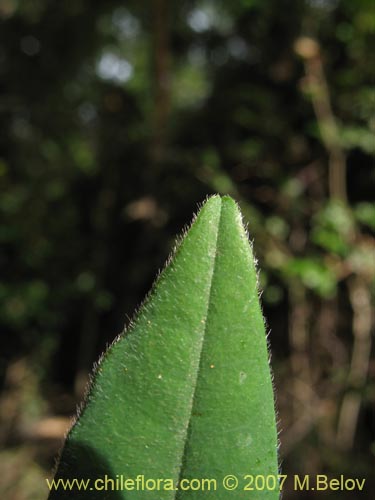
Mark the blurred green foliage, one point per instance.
(117, 118)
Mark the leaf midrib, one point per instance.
(199, 367)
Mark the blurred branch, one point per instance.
(309, 50)
(359, 293)
(360, 300)
(307, 419)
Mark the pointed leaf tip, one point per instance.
(187, 392)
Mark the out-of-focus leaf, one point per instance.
(358, 137)
(365, 214)
(313, 274)
(333, 227)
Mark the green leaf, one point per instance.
(333, 228)
(365, 214)
(187, 392)
(314, 274)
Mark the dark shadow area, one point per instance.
(83, 463)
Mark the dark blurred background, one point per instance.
(116, 119)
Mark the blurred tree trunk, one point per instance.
(162, 77)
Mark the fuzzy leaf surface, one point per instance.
(186, 393)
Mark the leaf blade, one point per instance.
(161, 375)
